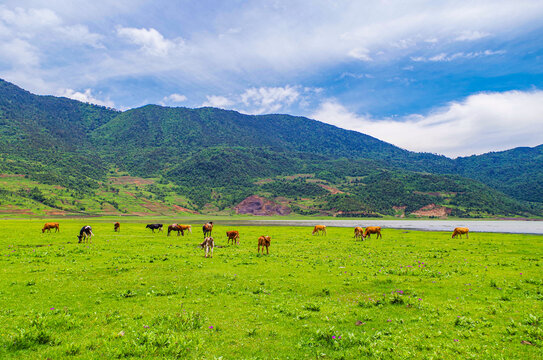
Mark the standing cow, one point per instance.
(359, 232)
(175, 227)
(117, 227)
(49, 226)
(459, 231)
(154, 227)
(372, 230)
(319, 228)
(264, 241)
(207, 229)
(85, 234)
(234, 236)
(208, 244)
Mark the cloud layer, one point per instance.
(480, 123)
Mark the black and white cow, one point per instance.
(85, 234)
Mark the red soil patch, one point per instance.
(433, 210)
(130, 180)
(55, 212)
(257, 205)
(10, 209)
(180, 208)
(263, 181)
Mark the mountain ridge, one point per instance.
(215, 157)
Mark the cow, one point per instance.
(319, 228)
(372, 230)
(85, 234)
(358, 232)
(185, 228)
(208, 244)
(264, 241)
(49, 226)
(459, 231)
(207, 228)
(116, 227)
(175, 227)
(154, 227)
(234, 236)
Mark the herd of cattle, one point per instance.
(85, 234)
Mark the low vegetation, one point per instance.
(135, 294)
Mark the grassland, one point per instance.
(135, 294)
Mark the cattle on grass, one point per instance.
(207, 229)
(359, 232)
(154, 227)
(208, 245)
(372, 230)
(85, 234)
(49, 226)
(175, 227)
(319, 229)
(234, 236)
(459, 231)
(116, 227)
(264, 241)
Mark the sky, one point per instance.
(447, 77)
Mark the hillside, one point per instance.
(209, 160)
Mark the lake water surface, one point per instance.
(498, 226)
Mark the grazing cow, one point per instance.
(175, 227)
(154, 227)
(117, 227)
(185, 228)
(49, 226)
(85, 234)
(372, 230)
(459, 231)
(358, 232)
(319, 228)
(264, 241)
(207, 228)
(208, 244)
(232, 235)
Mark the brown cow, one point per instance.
(264, 241)
(459, 231)
(319, 228)
(372, 230)
(207, 228)
(175, 227)
(186, 227)
(49, 226)
(232, 235)
(208, 244)
(358, 232)
(117, 227)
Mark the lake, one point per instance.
(497, 226)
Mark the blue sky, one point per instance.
(448, 77)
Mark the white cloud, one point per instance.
(19, 52)
(150, 40)
(86, 97)
(459, 55)
(480, 123)
(217, 101)
(360, 54)
(269, 99)
(471, 35)
(176, 98)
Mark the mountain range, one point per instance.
(63, 156)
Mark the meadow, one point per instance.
(136, 294)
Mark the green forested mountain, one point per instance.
(210, 159)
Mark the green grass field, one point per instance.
(141, 295)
